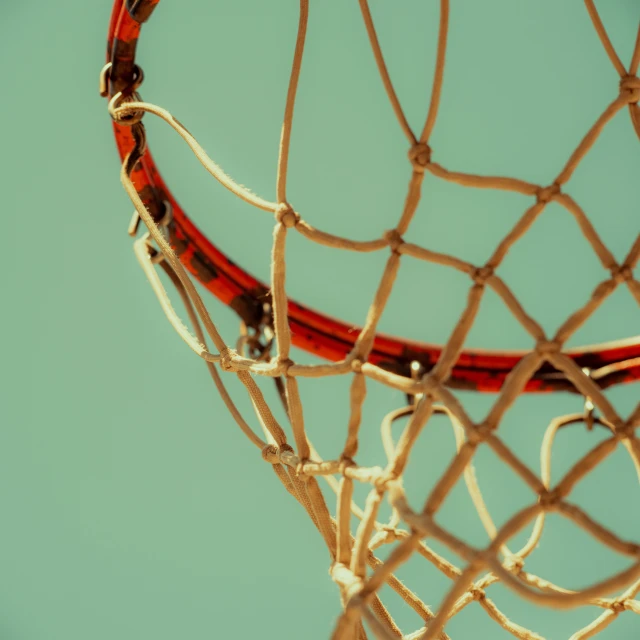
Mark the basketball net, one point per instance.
(356, 568)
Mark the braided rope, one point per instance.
(357, 571)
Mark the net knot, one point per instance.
(271, 453)
(394, 240)
(389, 533)
(283, 365)
(547, 194)
(480, 433)
(630, 88)
(477, 593)
(226, 359)
(514, 564)
(345, 463)
(420, 156)
(624, 430)
(547, 347)
(384, 479)
(621, 273)
(548, 499)
(618, 605)
(481, 274)
(386, 535)
(429, 384)
(286, 216)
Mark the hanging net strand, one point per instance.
(356, 569)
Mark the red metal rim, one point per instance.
(312, 331)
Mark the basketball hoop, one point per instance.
(271, 324)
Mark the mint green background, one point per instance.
(132, 507)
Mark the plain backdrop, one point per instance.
(131, 505)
